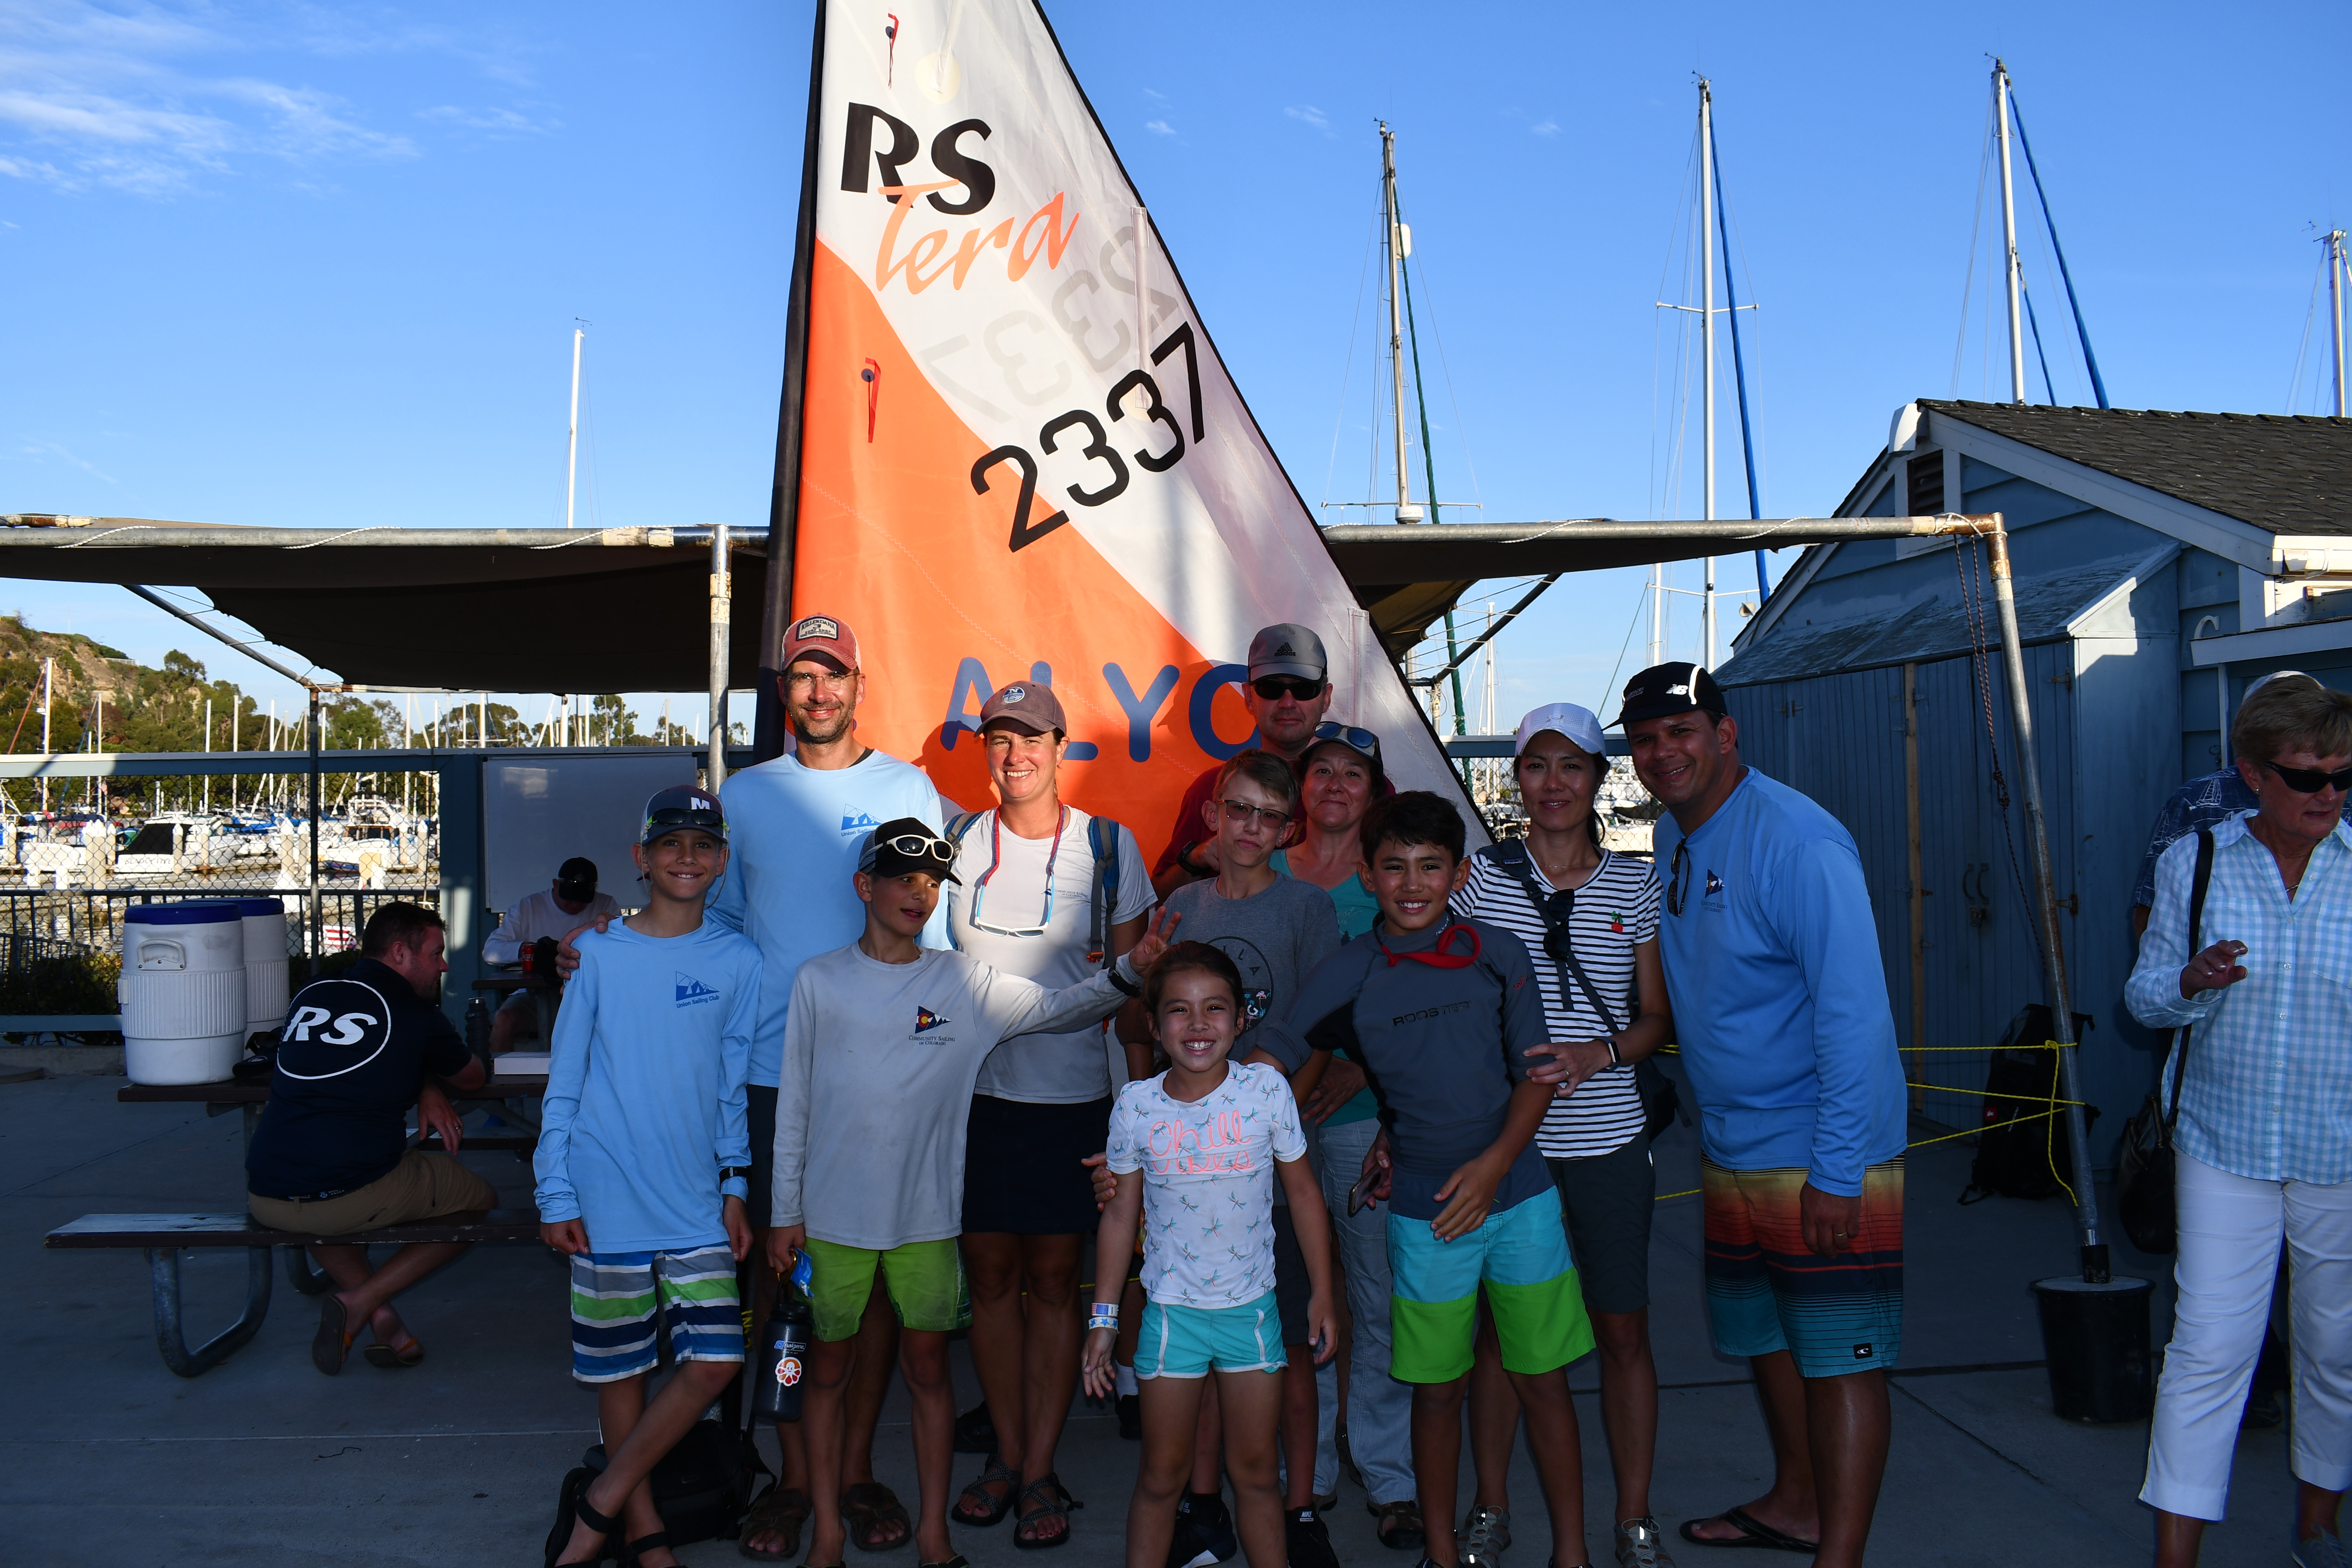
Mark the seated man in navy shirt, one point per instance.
(330, 1154)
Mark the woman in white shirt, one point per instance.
(2262, 1076)
(1027, 903)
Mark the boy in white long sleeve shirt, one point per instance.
(883, 1042)
(643, 1164)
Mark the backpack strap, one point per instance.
(962, 824)
(1510, 857)
(1102, 840)
(2199, 883)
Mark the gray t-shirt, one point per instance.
(879, 1065)
(997, 914)
(1276, 938)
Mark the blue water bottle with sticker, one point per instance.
(784, 1356)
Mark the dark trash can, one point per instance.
(2096, 1337)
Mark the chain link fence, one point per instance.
(67, 876)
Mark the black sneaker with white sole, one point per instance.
(1212, 1521)
(1310, 1540)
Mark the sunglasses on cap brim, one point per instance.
(670, 821)
(920, 847)
(1363, 741)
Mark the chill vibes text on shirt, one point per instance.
(1223, 1142)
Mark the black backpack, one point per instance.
(1661, 1100)
(701, 1487)
(2021, 1148)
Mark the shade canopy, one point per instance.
(627, 609)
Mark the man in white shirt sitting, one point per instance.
(570, 901)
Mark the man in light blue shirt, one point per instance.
(1788, 1043)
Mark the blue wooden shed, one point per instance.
(2163, 561)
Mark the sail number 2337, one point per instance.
(1069, 429)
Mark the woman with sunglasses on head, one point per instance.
(1589, 920)
(1034, 901)
(1340, 776)
(2261, 1081)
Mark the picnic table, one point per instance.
(545, 991)
(162, 1237)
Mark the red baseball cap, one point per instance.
(825, 637)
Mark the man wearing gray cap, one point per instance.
(1289, 693)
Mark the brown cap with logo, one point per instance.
(826, 639)
(1027, 705)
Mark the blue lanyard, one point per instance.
(996, 858)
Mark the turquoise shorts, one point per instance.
(1520, 1256)
(1187, 1342)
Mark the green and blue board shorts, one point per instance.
(1520, 1256)
(617, 1296)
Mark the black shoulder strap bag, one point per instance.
(2144, 1172)
(1659, 1099)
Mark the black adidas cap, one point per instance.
(1667, 688)
(1289, 649)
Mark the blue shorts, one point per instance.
(1186, 1341)
(1520, 1258)
(614, 1297)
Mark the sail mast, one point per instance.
(2335, 307)
(1706, 353)
(571, 440)
(2009, 235)
(1394, 244)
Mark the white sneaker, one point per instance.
(1638, 1544)
(1485, 1535)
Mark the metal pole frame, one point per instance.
(721, 628)
(2096, 1270)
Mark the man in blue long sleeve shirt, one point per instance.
(1788, 1043)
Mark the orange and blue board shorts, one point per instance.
(1766, 1291)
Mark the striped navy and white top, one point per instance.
(1615, 912)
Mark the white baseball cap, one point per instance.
(1580, 726)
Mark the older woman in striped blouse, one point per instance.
(2265, 1129)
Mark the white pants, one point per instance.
(2230, 1228)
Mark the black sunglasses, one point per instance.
(2311, 781)
(674, 816)
(1275, 687)
(1678, 879)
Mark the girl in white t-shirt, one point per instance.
(1196, 1151)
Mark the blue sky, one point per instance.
(310, 266)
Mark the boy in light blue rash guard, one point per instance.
(1779, 1005)
(644, 1161)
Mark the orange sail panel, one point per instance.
(1020, 457)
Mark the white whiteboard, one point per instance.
(538, 814)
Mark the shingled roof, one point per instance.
(2288, 474)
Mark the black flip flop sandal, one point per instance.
(642, 1543)
(782, 1509)
(1753, 1533)
(331, 1345)
(391, 1358)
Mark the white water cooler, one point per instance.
(183, 991)
(265, 963)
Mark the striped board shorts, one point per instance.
(614, 1299)
(1766, 1291)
